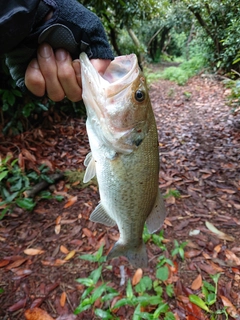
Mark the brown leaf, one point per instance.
(37, 314)
(70, 202)
(33, 252)
(231, 256)
(16, 264)
(21, 162)
(54, 263)
(63, 299)
(197, 283)
(28, 155)
(192, 253)
(18, 305)
(231, 310)
(64, 250)
(58, 220)
(87, 232)
(3, 263)
(137, 276)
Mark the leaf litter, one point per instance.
(200, 159)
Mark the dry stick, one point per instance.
(43, 185)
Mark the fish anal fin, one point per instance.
(100, 215)
(91, 169)
(137, 256)
(157, 216)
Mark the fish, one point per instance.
(124, 154)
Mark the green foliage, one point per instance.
(18, 111)
(14, 182)
(173, 193)
(179, 249)
(234, 96)
(147, 292)
(185, 70)
(209, 292)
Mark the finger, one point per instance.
(77, 68)
(100, 65)
(67, 75)
(48, 67)
(34, 79)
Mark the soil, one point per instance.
(199, 144)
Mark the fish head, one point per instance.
(117, 102)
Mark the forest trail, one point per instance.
(199, 145)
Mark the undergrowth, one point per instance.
(144, 296)
(179, 74)
(14, 182)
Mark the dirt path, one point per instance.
(200, 158)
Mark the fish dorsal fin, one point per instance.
(100, 215)
(156, 218)
(90, 172)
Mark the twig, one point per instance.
(43, 185)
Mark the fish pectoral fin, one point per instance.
(90, 172)
(100, 215)
(157, 216)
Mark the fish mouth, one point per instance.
(108, 101)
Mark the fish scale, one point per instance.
(124, 157)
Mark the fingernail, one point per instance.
(45, 51)
(61, 55)
(34, 64)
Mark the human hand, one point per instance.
(70, 26)
(56, 74)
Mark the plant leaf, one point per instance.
(199, 302)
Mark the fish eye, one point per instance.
(139, 95)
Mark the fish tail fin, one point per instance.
(136, 256)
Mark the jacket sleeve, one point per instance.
(16, 21)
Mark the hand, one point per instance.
(57, 75)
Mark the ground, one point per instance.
(199, 144)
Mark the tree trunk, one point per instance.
(137, 44)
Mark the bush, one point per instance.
(185, 70)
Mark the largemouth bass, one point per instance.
(124, 154)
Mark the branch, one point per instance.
(155, 34)
(43, 185)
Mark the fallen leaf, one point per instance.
(220, 234)
(58, 220)
(3, 263)
(64, 250)
(57, 228)
(137, 276)
(37, 314)
(33, 252)
(28, 155)
(231, 256)
(53, 263)
(16, 264)
(231, 310)
(87, 232)
(197, 283)
(18, 305)
(63, 299)
(192, 253)
(70, 202)
(70, 255)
